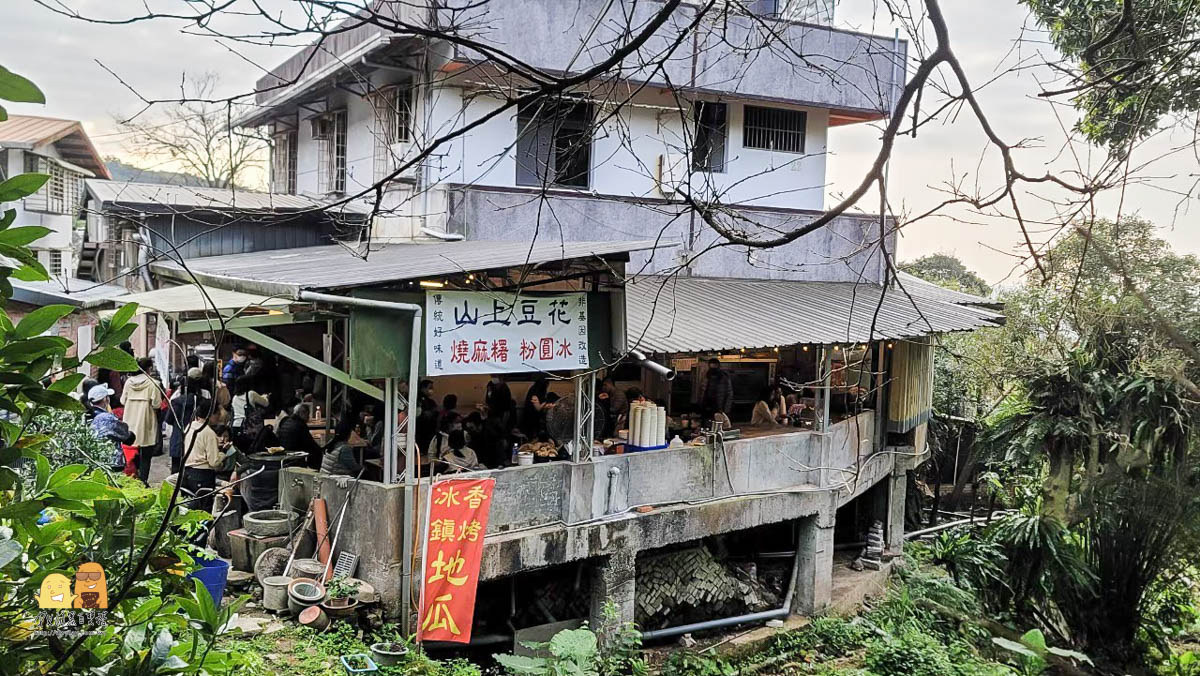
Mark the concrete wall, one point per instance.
(734, 54)
(555, 513)
(844, 251)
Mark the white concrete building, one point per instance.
(739, 115)
(61, 149)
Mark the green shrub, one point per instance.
(912, 654)
(836, 637)
(687, 663)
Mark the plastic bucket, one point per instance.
(275, 594)
(213, 574)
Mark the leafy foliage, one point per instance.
(1133, 62)
(58, 510)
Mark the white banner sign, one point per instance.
(485, 332)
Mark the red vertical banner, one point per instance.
(458, 516)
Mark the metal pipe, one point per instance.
(667, 373)
(949, 524)
(715, 624)
(411, 435)
(761, 616)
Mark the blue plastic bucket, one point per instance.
(213, 574)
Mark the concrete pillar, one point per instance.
(814, 565)
(614, 579)
(897, 484)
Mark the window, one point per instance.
(55, 264)
(711, 120)
(283, 163)
(393, 124)
(775, 129)
(330, 133)
(60, 194)
(554, 143)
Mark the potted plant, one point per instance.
(389, 653)
(358, 663)
(341, 597)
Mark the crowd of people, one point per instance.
(255, 404)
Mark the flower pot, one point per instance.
(358, 663)
(388, 654)
(340, 607)
(304, 592)
(275, 592)
(314, 618)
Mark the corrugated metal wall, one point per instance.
(910, 398)
(198, 236)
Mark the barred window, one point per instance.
(283, 163)
(330, 133)
(55, 268)
(60, 194)
(777, 129)
(393, 124)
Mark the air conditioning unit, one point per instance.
(322, 128)
(672, 172)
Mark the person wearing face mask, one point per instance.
(235, 367)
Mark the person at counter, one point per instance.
(294, 435)
(718, 391)
(458, 457)
(342, 456)
(768, 409)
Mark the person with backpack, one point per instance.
(183, 408)
(248, 410)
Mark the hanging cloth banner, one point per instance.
(458, 515)
(485, 332)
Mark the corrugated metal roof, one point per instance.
(154, 196)
(926, 289)
(288, 271)
(27, 131)
(81, 293)
(196, 298)
(695, 314)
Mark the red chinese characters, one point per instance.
(458, 515)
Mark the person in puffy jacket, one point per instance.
(106, 425)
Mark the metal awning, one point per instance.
(159, 198)
(196, 298)
(286, 272)
(80, 293)
(695, 314)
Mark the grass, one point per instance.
(304, 652)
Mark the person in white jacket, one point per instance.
(142, 398)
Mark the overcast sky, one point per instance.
(61, 55)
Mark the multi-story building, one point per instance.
(728, 116)
(737, 112)
(62, 150)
